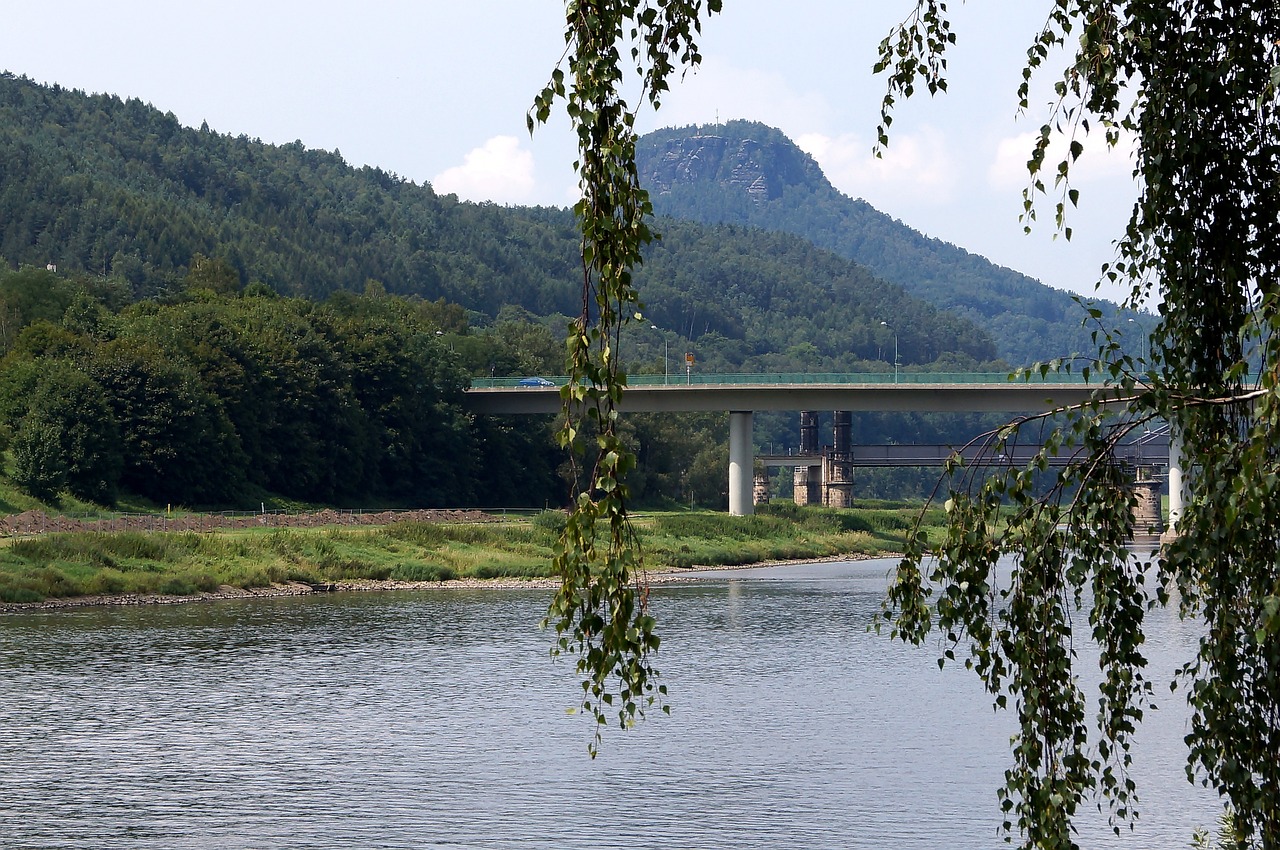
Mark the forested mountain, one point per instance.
(117, 189)
(746, 173)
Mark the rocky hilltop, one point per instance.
(759, 169)
(745, 173)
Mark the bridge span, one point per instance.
(742, 395)
(943, 396)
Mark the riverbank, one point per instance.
(227, 592)
(80, 568)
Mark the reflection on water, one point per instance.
(434, 719)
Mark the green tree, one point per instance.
(69, 418)
(1196, 85)
(212, 273)
(177, 442)
(30, 295)
(410, 389)
(599, 612)
(39, 458)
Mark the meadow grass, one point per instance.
(92, 563)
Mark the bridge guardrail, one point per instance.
(712, 378)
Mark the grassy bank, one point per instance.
(92, 563)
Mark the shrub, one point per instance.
(552, 521)
(105, 582)
(18, 593)
(419, 571)
(176, 586)
(51, 582)
(424, 534)
(510, 571)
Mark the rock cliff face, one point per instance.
(759, 169)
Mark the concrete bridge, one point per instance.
(919, 392)
(742, 395)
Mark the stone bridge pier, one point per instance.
(839, 463)
(1148, 518)
(831, 482)
(807, 480)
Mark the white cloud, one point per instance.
(1098, 163)
(721, 91)
(499, 171)
(916, 167)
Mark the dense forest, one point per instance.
(746, 173)
(218, 397)
(220, 400)
(201, 319)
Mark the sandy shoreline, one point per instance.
(367, 585)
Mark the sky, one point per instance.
(437, 91)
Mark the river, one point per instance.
(434, 719)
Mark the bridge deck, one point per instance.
(942, 397)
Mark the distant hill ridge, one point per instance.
(746, 173)
(119, 190)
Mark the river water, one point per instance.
(434, 719)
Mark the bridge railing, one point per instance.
(711, 378)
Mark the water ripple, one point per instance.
(434, 720)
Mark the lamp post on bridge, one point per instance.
(1142, 340)
(895, 349)
(664, 352)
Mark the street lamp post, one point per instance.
(664, 352)
(1142, 340)
(895, 350)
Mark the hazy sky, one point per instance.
(437, 90)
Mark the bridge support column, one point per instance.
(806, 483)
(741, 461)
(807, 480)
(838, 470)
(1177, 484)
(760, 489)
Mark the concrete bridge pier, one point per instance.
(1178, 485)
(741, 463)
